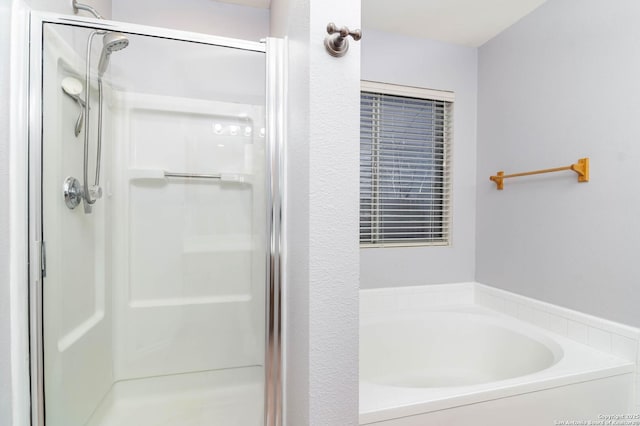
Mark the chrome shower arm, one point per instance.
(79, 6)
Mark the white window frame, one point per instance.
(427, 94)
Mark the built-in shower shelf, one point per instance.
(218, 244)
(165, 175)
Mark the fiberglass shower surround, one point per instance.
(157, 304)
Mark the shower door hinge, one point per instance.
(43, 259)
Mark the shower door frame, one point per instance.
(274, 51)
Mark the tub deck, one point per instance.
(573, 380)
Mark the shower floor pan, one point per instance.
(210, 398)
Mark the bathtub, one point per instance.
(468, 365)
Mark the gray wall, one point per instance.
(563, 83)
(391, 58)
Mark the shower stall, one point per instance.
(155, 226)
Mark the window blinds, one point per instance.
(404, 170)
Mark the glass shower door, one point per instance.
(156, 274)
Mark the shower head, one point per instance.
(111, 42)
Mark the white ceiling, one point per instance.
(465, 22)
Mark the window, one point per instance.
(405, 143)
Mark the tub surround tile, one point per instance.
(578, 332)
(378, 301)
(599, 339)
(511, 308)
(415, 297)
(586, 329)
(558, 325)
(460, 296)
(624, 347)
(525, 313)
(637, 392)
(425, 300)
(403, 302)
(490, 301)
(590, 320)
(541, 318)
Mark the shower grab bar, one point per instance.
(581, 168)
(155, 174)
(192, 175)
(222, 177)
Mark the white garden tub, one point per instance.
(469, 365)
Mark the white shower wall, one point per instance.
(166, 276)
(189, 263)
(77, 286)
(229, 20)
(189, 271)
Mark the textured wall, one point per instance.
(391, 58)
(321, 215)
(334, 182)
(562, 84)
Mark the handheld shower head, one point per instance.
(112, 42)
